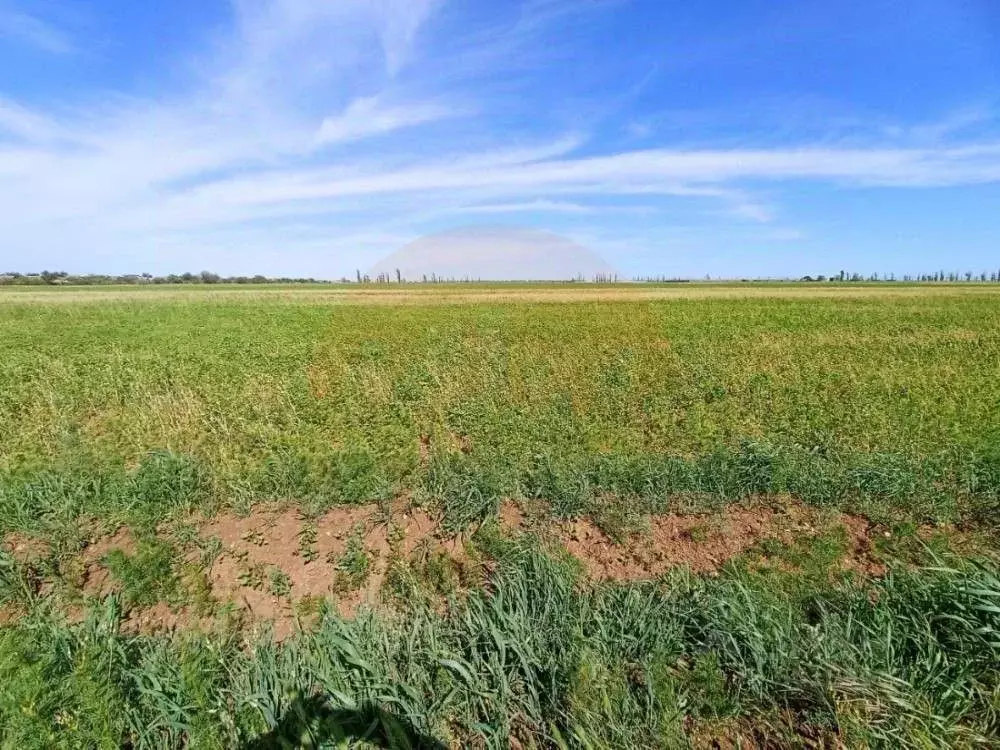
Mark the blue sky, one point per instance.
(303, 137)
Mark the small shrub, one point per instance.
(148, 576)
(354, 564)
(307, 543)
(278, 582)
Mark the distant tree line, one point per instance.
(56, 278)
(663, 279)
(936, 277)
(985, 277)
(432, 278)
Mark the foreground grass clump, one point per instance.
(909, 661)
(886, 487)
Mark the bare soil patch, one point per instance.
(276, 567)
(272, 559)
(26, 549)
(702, 542)
(96, 577)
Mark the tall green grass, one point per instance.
(886, 487)
(909, 661)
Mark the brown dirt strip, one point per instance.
(705, 543)
(306, 554)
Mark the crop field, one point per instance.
(500, 516)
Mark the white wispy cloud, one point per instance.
(545, 206)
(664, 172)
(368, 116)
(19, 25)
(24, 124)
(754, 212)
(542, 206)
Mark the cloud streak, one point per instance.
(26, 28)
(368, 117)
(664, 172)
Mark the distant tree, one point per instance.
(399, 277)
(207, 277)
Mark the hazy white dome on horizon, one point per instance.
(494, 253)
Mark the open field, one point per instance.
(507, 516)
(466, 293)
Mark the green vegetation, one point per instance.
(546, 662)
(150, 411)
(146, 577)
(354, 565)
(140, 407)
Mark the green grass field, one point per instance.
(212, 504)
